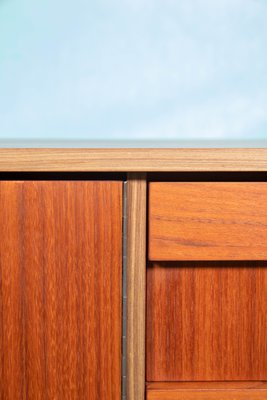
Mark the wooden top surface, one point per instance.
(133, 159)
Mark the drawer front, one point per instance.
(206, 321)
(207, 391)
(207, 221)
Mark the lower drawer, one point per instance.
(206, 321)
(207, 391)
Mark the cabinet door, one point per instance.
(60, 290)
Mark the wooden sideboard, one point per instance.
(133, 274)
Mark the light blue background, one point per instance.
(133, 69)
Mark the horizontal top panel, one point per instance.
(133, 159)
(207, 221)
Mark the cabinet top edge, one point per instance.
(143, 159)
(133, 144)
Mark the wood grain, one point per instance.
(207, 321)
(60, 290)
(207, 391)
(208, 221)
(136, 285)
(131, 160)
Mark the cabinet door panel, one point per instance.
(206, 321)
(60, 290)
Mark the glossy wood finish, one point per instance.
(60, 290)
(206, 321)
(136, 285)
(208, 221)
(132, 160)
(207, 391)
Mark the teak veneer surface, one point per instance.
(60, 290)
(136, 285)
(206, 321)
(207, 391)
(133, 159)
(208, 221)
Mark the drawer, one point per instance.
(206, 321)
(207, 391)
(208, 221)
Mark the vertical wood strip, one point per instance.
(136, 285)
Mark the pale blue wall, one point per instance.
(133, 69)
